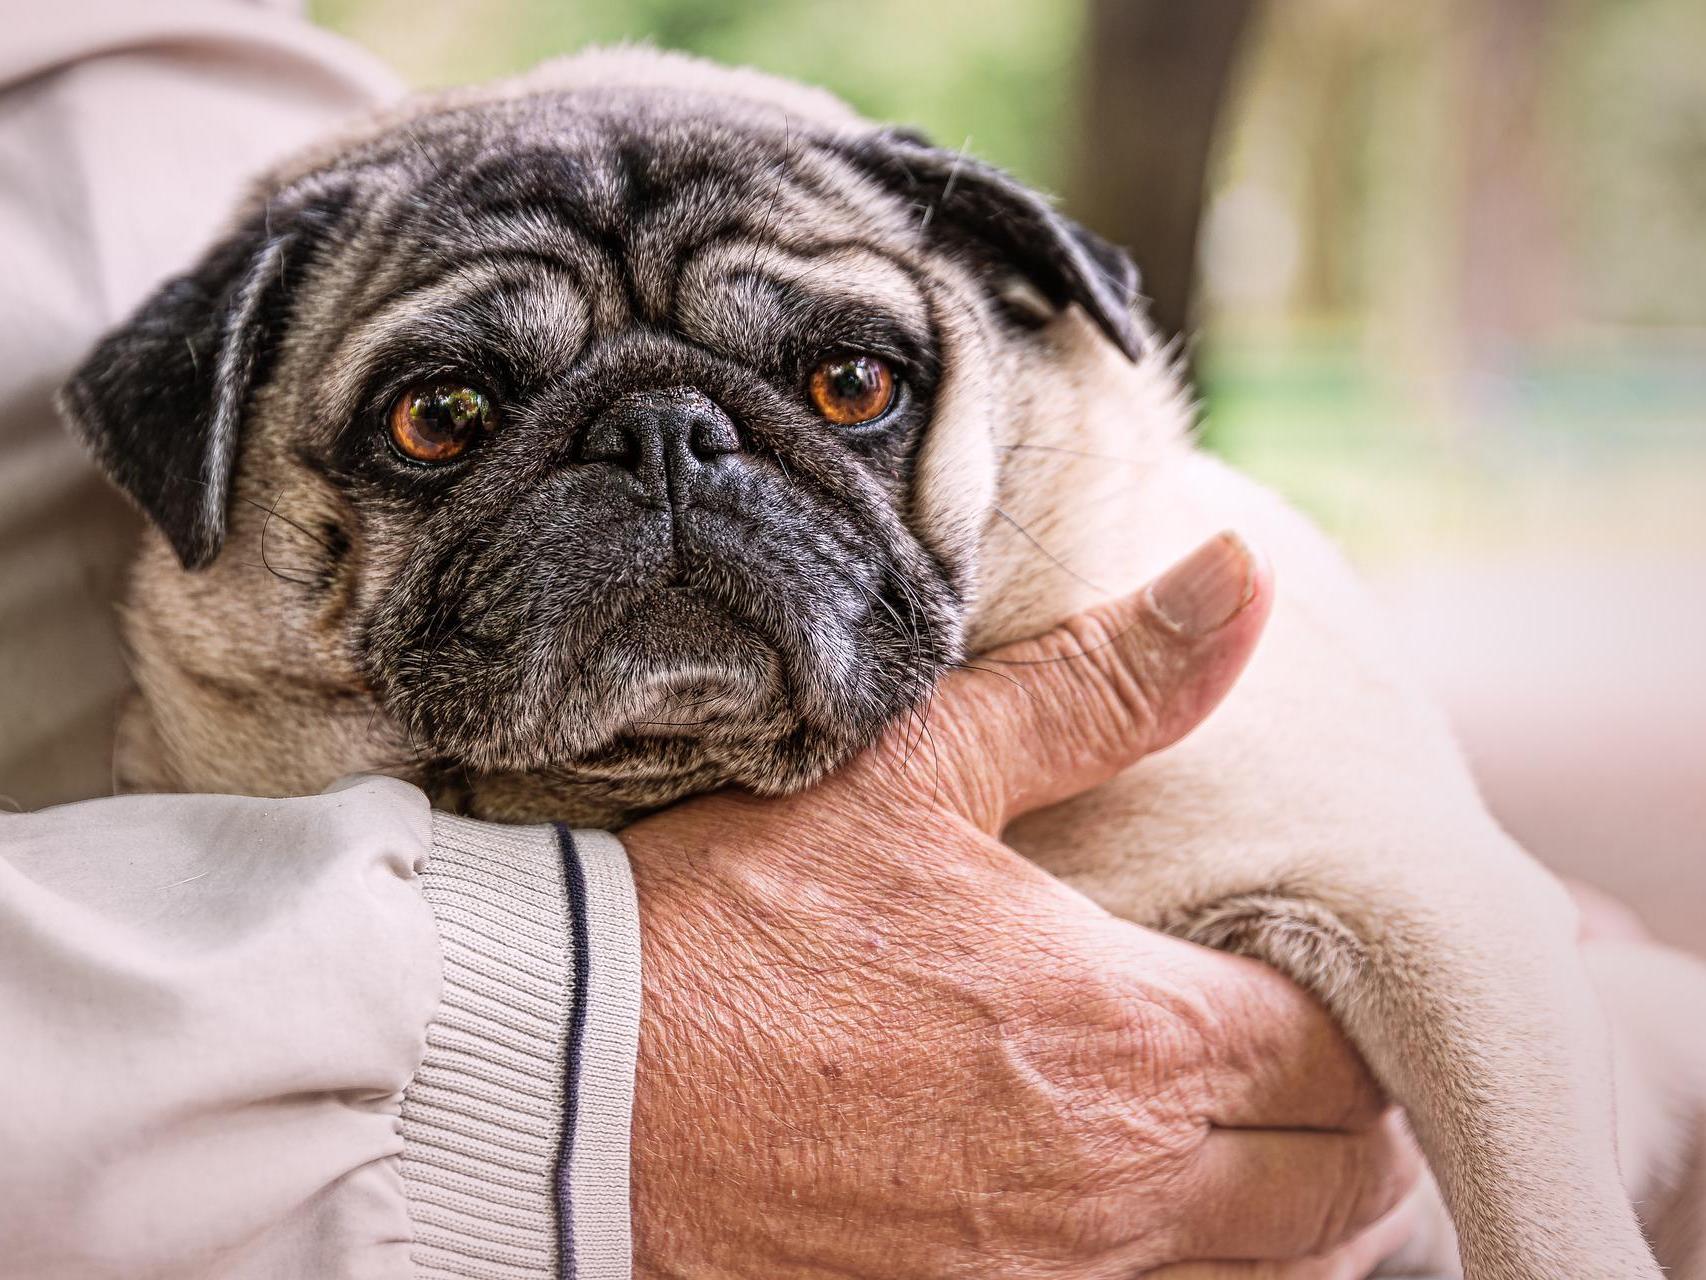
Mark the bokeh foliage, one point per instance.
(999, 73)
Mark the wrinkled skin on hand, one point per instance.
(877, 1043)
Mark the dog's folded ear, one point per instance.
(959, 195)
(160, 399)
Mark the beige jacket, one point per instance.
(323, 1037)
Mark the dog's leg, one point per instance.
(1509, 1097)
(1656, 1000)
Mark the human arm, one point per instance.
(126, 133)
(319, 1036)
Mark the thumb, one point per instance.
(1040, 721)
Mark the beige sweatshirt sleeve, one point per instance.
(335, 1036)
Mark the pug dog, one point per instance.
(640, 427)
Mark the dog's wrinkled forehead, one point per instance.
(579, 221)
(623, 187)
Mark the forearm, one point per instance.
(216, 1009)
(211, 1006)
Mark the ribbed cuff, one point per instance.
(593, 1171)
(515, 1128)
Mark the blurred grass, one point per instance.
(999, 74)
(1587, 450)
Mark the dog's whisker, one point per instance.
(914, 639)
(1053, 559)
(1064, 657)
(273, 513)
(1000, 675)
(776, 191)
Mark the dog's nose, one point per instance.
(667, 439)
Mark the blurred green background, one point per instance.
(1451, 281)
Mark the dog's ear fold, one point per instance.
(160, 399)
(1067, 263)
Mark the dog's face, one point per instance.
(631, 437)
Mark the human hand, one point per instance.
(877, 1043)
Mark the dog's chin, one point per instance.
(681, 666)
(688, 699)
(658, 761)
(680, 697)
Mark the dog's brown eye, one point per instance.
(437, 421)
(849, 390)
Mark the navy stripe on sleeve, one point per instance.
(574, 882)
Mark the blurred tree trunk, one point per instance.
(1331, 63)
(1513, 281)
(1156, 76)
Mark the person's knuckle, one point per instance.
(1142, 1034)
(1317, 1225)
(1098, 1142)
(1390, 1172)
(1120, 675)
(1371, 1183)
(1134, 664)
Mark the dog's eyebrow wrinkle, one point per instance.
(410, 317)
(843, 266)
(733, 294)
(451, 268)
(451, 290)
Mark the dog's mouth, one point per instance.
(681, 665)
(682, 702)
(678, 694)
